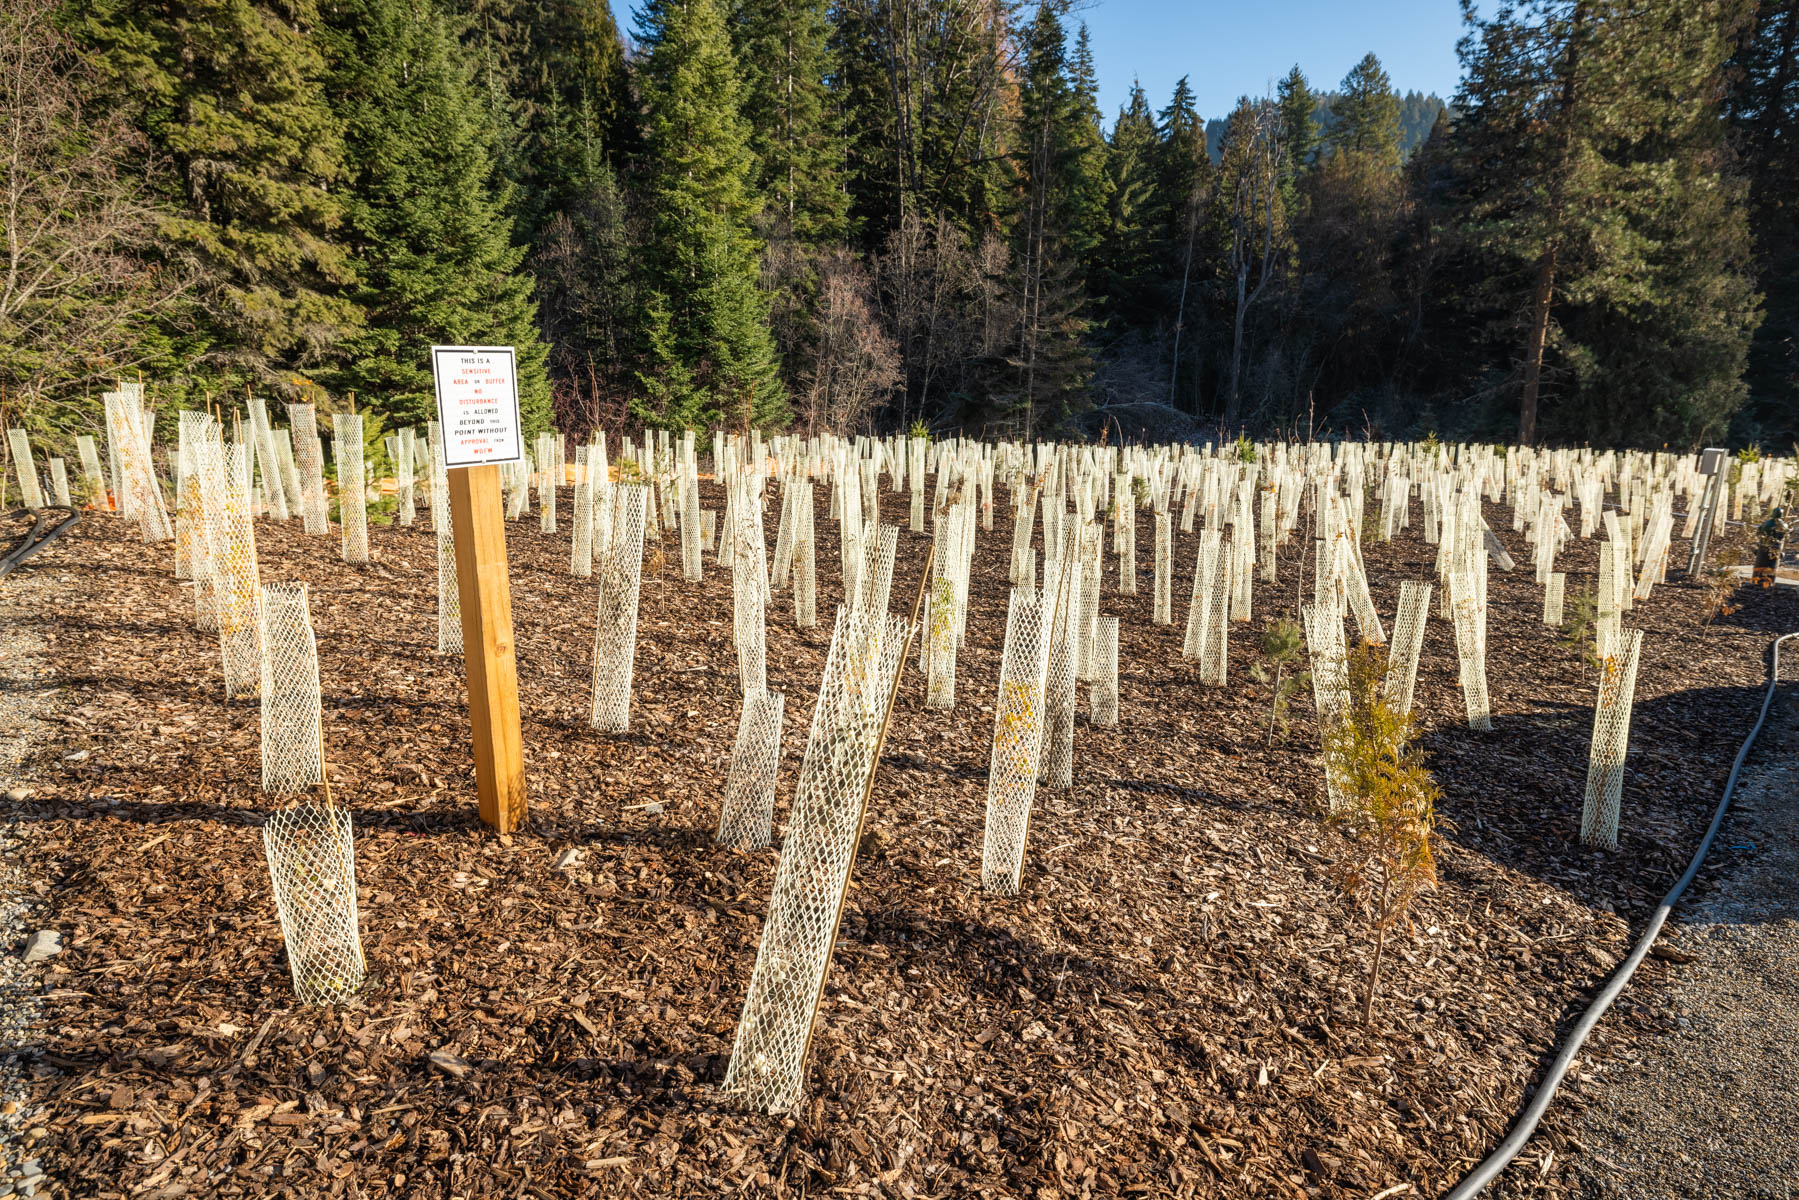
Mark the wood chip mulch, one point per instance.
(1170, 1007)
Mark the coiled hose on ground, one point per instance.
(1507, 1150)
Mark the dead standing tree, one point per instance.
(1251, 169)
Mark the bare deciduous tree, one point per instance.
(83, 276)
(1252, 170)
(857, 363)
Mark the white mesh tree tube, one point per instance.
(940, 643)
(289, 472)
(769, 1055)
(274, 493)
(1330, 676)
(1018, 729)
(615, 632)
(1164, 611)
(1087, 620)
(130, 439)
(1470, 651)
(1552, 598)
(1059, 703)
(749, 805)
(1102, 696)
(915, 476)
(405, 478)
(291, 746)
(352, 505)
(549, 471)
(449, 597)
(303, 418)
(1126, 540)
(1215, 652)
(311, 852)
(580, 553)
(874, 578)
(1361, 604)
(29, 488)
(1021, 532)
(1265, 534)
(95, 481)
(1199, 601)
(781, 572)
(805, 561)
(1408, 641)
(749, 602)
(202, 471)
(1611, 742)
(691, 569)
(59, 482)
(237, 594)
(192, 559)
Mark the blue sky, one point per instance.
(1231, 49)
(1239, 47)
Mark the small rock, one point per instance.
(45, 943)
(455, 1066)
(18, 795)
(78, 756)
(652, 808)
(568, 858)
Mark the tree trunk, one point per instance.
(1232, 405)
(1533, 350)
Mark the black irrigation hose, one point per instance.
(1507, 1150)
(38, 537)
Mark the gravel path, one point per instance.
(24, 700)
(1711, 1106)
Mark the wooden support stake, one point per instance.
(478, 523)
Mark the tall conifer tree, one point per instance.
(1131, 264)
(1299, 122)
(1367, 114)
(1591, 154)
(1183, 194)
(783, 47)
(712, 357)
(426, 212)
(230, 94)
(1763, 109)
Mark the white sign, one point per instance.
(477, 404)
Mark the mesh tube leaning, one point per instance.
(1018, 723)
(768, 1056)
(310, 848)
(311, 852)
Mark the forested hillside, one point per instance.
(856, 214)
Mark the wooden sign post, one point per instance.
(477, 406)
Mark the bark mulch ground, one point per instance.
(1170, 1007)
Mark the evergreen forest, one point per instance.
(855, 216)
